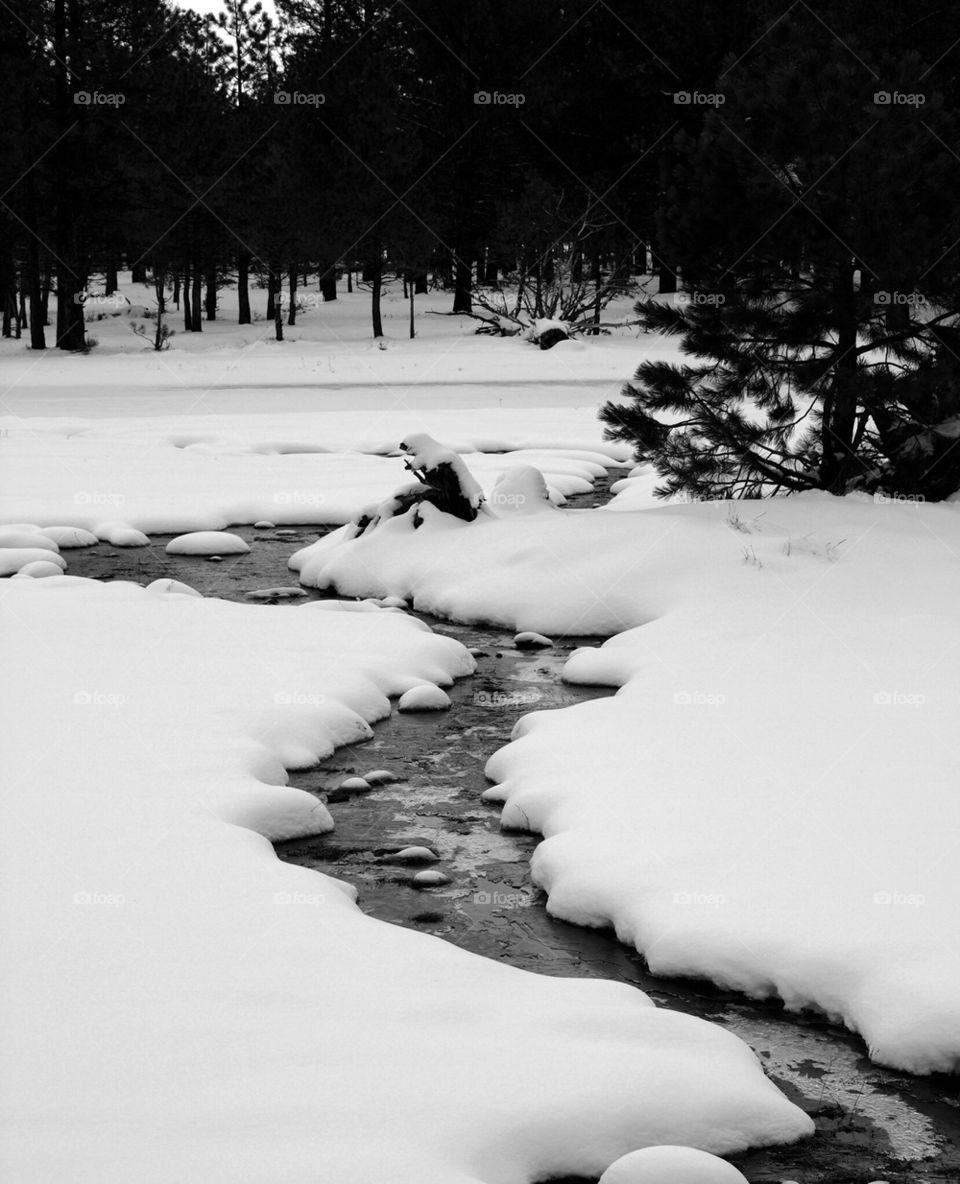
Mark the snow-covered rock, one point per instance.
(380, 777)
(165, 585)
(70, 536)
(354, 784)
(212, 543)
(520, 490)
(12, 559)
(415, 855)
(36, 540)
(120, 534)
(264, 524)
(430, 879)
(672, 1165)
(40, 568)
(424, 698)
(282, 593)
(529, 640)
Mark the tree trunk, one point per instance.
(328, 284)
(292, 310)
(243, 287)
(840, 405)
(272, 271)
(138, 272)
(176, 289)
(197, 299)
(462, 283)
(70, 327)
(187, 311)
(420, 283)
(349, 281)
(413, 331)
(210, 301)
(276, 284)
(110, 278)
(376, 278)
(667, 275)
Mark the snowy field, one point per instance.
(769, 800)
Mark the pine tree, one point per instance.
(815, 223)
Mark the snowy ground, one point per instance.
(738, 810)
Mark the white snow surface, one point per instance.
(770, 800)
(207, 542)
(671, 1165)
(182, 1005)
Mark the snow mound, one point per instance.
(528, 640)
(430, 879)
(120, 534)
(424, 698)
(415, 855)
(283, 593)
(173, 587)
(520, 490)
(207, 542)
(34, 540)
(40, 569)
(671, 1165)
(70, 536)
(380, 777)
(356, 784)
(12, 559)
(264, 524)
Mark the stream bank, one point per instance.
(873, 1124)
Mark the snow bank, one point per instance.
(162, 478)
(188, 1007)
(771, 799)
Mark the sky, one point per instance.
(217, 5)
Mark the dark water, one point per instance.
(872, 1124)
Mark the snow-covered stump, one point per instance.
(443, 480)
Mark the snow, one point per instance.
(671, 1165)
(777, 773)
(430, 879)
(12, 559)
(424, 698)
(528, 640)
(70, 536)
(177, 987)
(207, 542)
(355, 783)
(120, 534)
(415, 855)
(10, 538)
(40, 568)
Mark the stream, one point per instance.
(873, 1124)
